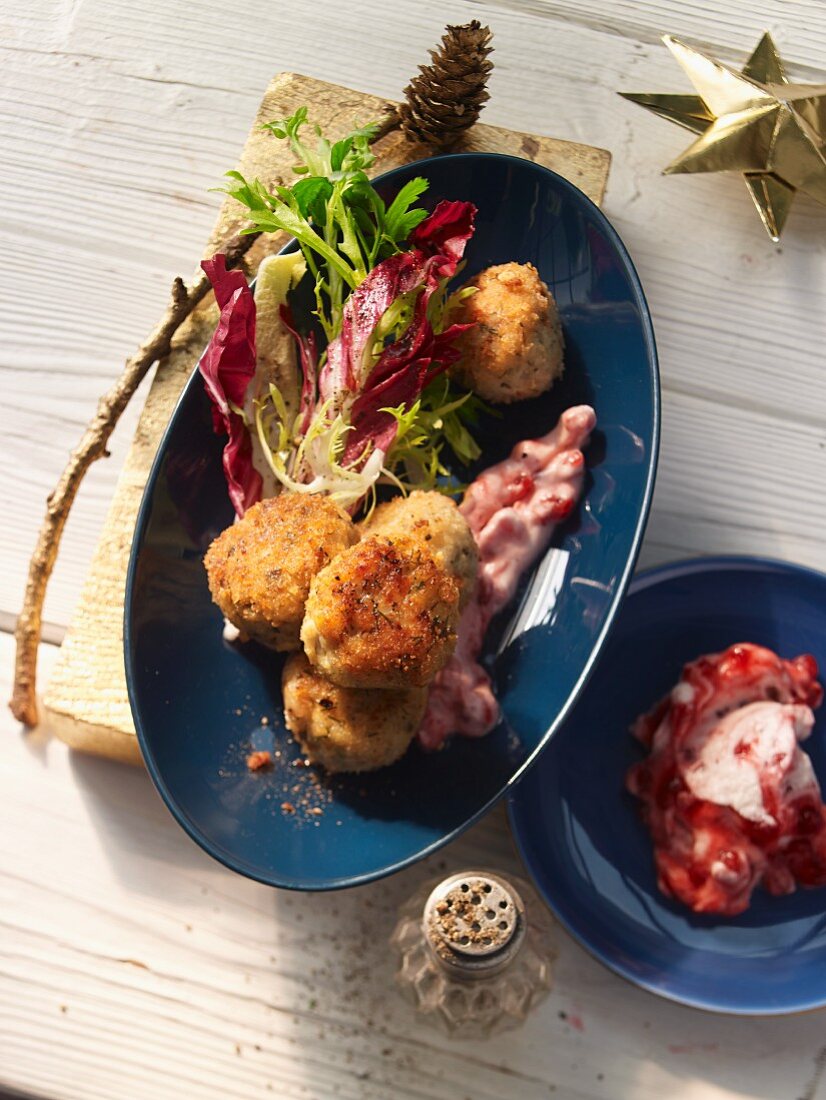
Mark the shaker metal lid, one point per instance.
(474, 922)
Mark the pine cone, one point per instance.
(446, 97)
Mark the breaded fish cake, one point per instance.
(348, 729)
(260, 568)
(514, 350)
(381, 615)
(435, 520)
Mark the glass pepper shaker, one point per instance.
(476, 951)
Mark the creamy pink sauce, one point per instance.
(512, 509)
(729, 796)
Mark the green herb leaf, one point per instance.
(312, 195)
(399, 215)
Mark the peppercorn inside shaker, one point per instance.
(475, 951)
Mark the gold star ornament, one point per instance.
(751, 121)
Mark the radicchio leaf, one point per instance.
(227, 366)
(412, 362)
(362, 312)
(309, 368)
(404, 369)
(444, 235)
(438, 245)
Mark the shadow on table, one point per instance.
(596, 1036)
(326, 960)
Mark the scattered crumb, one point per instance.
(64, 1008)
(288, 785)
(238, 1048)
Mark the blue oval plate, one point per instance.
(198, 702)
(581, 835)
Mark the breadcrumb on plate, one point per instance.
(259, 759)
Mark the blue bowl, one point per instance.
(581, 835)
(198, 702)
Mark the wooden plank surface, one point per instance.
(130, 964)
(134, 966)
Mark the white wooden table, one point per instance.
(131, 965)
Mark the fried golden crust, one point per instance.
(382, 615)
(434, 520)
(348, 729)
(260, 568)
(515, 349)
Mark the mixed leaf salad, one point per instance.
(374, 405)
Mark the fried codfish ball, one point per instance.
(514, 350)
(348, 729)
(383, 614)
(435, 520)
(259, 570)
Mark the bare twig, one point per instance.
(388, 123)
(92, 446)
